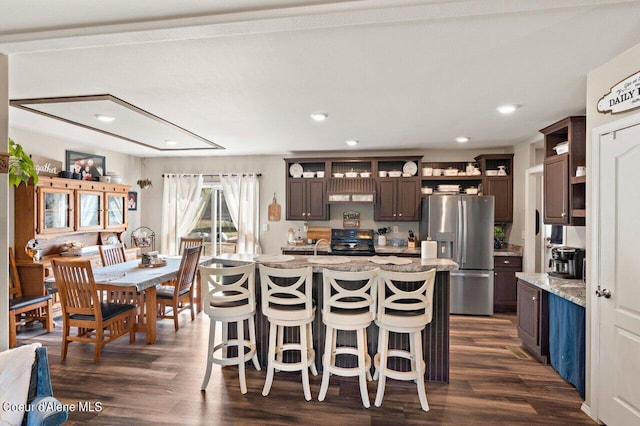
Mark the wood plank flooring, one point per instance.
(492, 382)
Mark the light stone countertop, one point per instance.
(509, 250)
(572, 290)
(357, 263)
(322, 248)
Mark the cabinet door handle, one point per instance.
(394, 215)
(563, 214)
(506, 262)
(534, 298)
(399, 214)
(495, 273)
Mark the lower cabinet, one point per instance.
(533, 320)
(505, 293)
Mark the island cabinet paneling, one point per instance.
(505, 283)
(533, 320)
(398, 199)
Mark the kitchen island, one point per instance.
(435, 337)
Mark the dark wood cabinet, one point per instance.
(398, 199)
(565, 193)
(306, 199)
(533, 320)
(501, 187)
(556, 190)
(505, 283)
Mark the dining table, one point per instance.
(135, 283)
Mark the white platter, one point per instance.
(329, 260)
(273, 258)
(410, 168)
(390, 260)
(296, 170)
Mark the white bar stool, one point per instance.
(402, 310)
(288, 303)
(349, 303)
(229, 297)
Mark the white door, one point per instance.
(619, 272)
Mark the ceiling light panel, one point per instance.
(130, 122)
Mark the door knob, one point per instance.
(605, 292)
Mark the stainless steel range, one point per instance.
(352, 242)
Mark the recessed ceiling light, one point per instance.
(506, 109)
(105, 118)
(171, 142)
(462, 139)
(319, 116)
(352, 142)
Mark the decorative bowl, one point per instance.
(351, 174)
(308, 174)
(395, 173)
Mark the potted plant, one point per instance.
(144, 183)
(21, 167)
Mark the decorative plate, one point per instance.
(296, 170)
(410, 168)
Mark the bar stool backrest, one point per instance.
(346, 293)
(405, 298)
(290, 297)
(228, 291)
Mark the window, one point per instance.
(214, 223)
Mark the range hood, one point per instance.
(351, 190)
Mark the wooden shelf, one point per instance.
(579, 213)
(578, 179)
(451, 178)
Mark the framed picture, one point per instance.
(132, 200)
(89, 166)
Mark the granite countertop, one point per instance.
(357, 263)
(572, 290)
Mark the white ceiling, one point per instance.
(246, 74)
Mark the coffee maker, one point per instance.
(566, 262)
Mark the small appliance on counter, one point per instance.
(566, 262)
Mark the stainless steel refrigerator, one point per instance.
(462, 225)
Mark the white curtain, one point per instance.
(180, 199)
(242, 194)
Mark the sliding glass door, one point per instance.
(214, 223)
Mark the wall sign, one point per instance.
(47, 166)
(351, 219)
(624, 96)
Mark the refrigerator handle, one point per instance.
(465, 242)
(459, 235)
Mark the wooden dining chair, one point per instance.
(178, 293)
(112, 254)
(25, 308)
(83, 308)
(188, 242)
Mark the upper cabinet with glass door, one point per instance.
(89, 207)
(115, 211)
(55, 210)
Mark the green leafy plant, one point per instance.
(21, 167)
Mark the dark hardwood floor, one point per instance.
(493, 381)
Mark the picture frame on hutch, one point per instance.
(132, 200)
(87, 166)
